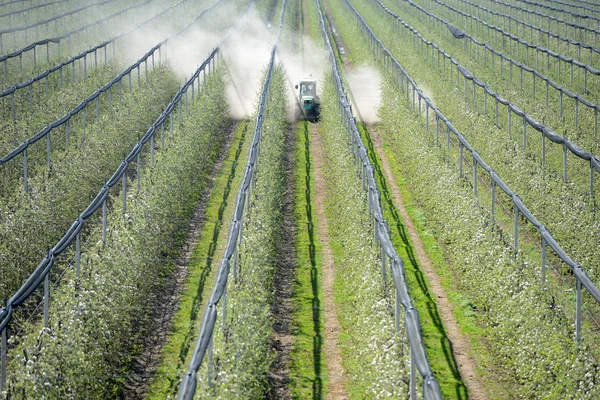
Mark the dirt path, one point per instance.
(460, 346)
(284, 283)
(167, 302)
(333, 358)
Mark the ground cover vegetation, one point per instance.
(521, 333)
(375, 355)
(541, 190)
(98, 320)
(525, 281)
(242, 352)
(34, 220)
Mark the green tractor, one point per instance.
(309, 101)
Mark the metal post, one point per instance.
(543, 150)
(77, 254)
(493, 199)
(460, 157)
(413, 375)
(591, 182)
(437, 129)
(578, 313)
(543, 262)
(104, 222)
(564, 162)
(516, 228)
(139, 162)
(595, 122)
(524, 131)
(48, 147)
(124, 190)
(46, 298)
(474, 175)
(25, 169)
(152, 149)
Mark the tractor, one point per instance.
(309, 101)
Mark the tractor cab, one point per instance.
(309, 101)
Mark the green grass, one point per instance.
(218, 215)
(307, 361)
(439, 347)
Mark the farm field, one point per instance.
(294, 199)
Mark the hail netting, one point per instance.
(73, 234)
(549, 82)
(187, 388)
(566, 144)
(45, 132)
(519, 207)
(592, 49)
(431, 388)
(588, 18)
(575, 26)
(576, 6)
(11, 90)
(34, 7)
(59, 39)
(4, 32)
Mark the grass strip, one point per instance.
(201, 274)
(98, 320)
(308, 364)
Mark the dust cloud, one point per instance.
(247, 52)
(365, 88)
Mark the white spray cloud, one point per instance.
(365, 85)
(247, 54)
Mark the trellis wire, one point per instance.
(81, 107)
(187, 388)
(59, 39)
(418, 354)
(547, 240)
(13, 89)
(566, 144)
(47, 21)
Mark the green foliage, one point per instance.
(33, 221)
(218, 214)
(242, 343)
(307, 366)
(97, 322)
(375, 355)
(526, 331)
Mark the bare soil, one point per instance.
(166, 303)
(281, 308)
(336, 387)
(460, 346)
